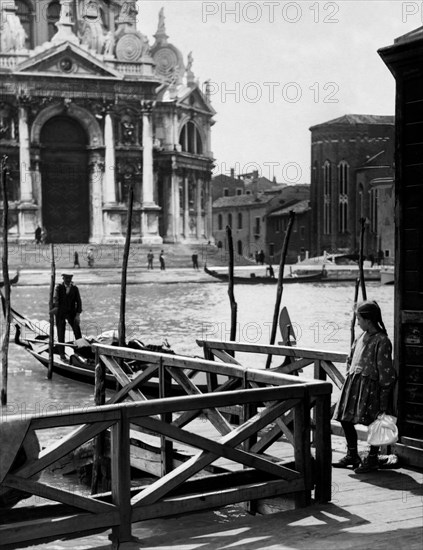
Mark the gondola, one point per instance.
(79, 356)
(266, 280)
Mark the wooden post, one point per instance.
(166, 445)
(51, 337)
(361, 259)
(121, 330)
(99, 442)
(121, 478)
(234, 306)
(280, 284)
(302, 453)
(6, 282)
(322, 439)
(319, 374)
(248, 410)
(211, 376)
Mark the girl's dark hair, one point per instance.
(370, 310)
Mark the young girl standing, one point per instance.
(368, 385)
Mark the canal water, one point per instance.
(181, 314)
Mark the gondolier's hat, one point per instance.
(67, 275)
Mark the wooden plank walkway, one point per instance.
(381, 510)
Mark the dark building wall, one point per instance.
(299, 242)
(231, 184)
(356, 144)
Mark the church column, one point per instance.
(175, 128)
(199, 190)
(171, 177)
(150, 210)
(186, 207)
(36, 180)
(109, 195)
(176, 211)
(96, 165)
(147, 157)
(208, 207)
(24, 156)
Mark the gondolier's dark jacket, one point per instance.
(67, 303)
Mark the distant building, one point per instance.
(348, 155)
(299, 241)
(252, 228)
(246, 215)
(89, 110)
(243, 184)
(227, 186)
(254, 183)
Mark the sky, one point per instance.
(277, 68)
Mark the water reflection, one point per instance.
(182, 313)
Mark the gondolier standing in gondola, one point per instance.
(67, 306)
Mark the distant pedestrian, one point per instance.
(195, 261)
(261, 257)
(38, 235)
(44, 235)
(150, 258)
(90, 257)
(270, 271)
(162, 261)
(76, 260)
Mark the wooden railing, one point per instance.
(276, 407)
(295, 361)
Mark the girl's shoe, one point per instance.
(370, 464)
(350, 459)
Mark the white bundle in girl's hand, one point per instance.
(383, 431)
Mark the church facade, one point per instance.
(88, 111)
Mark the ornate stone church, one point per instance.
(90, 110)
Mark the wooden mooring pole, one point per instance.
(121, 328)
(360, 279)
(6, 282)
(51, 335)
(234, 305)
(280, 284)
(361, 258)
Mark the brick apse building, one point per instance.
(89, 109)
(350, 158)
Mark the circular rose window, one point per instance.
(66, 65)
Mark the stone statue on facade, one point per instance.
(93, 33)
(109, 44)
(190, 62)
(128, 130)
(161, 28)
(12, 33)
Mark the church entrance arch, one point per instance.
(65, 180)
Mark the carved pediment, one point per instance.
(67, 59)
(194, 99)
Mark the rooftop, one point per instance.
(242, 200)
(354, 119)
(298, 207)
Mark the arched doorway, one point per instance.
(65, 185)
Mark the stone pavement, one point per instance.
(103, 276)
(135, 276)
